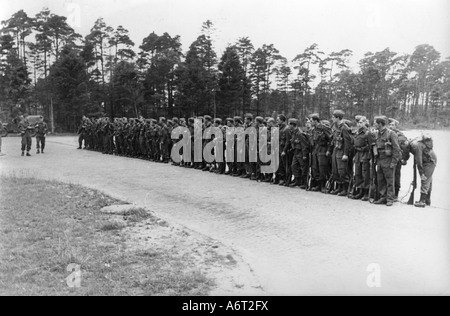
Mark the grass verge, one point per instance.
(47, 228)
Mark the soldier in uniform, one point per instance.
(320, 163)
(301, 149)
(26, 131)
(340, 151)
(82, 131)
(41, 132)
(388, 155)
(280, 177)
(229, 128)
(426, 160)
(288, 154)
(238, 167)
(363, 144)
(247, 165)
(403, 143)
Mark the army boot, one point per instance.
(337, 190)
(28, 154)
(366, 195)
(295, 183)
(422, 203)
(344, 191)
(38, 152)
(23, 153)
(428, 199)
(359, 195)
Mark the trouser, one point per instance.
(40, 142)
(385, 177)
(398, 171)
(362, 174)
(281, 173)
(339, 167)
(288, 166)
(82, 138)
(426, 185)
(320, 165)
(300, 166)
(26, 142)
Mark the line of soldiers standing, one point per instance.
(343, 158)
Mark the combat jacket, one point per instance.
(342, 140)
(300, 142)
(320, 139)
(362, 143)
(41, 129)
(387, 145)
(422, 155)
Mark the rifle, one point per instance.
(330, 184)
(414, 184)
(373, 190)
(352, 184)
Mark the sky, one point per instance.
(291, 25)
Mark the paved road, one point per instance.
(297, 242)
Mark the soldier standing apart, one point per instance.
(426, 160)
(26, 131)
(340, 151)
(388, 155)
(41, 132)
(82, 131)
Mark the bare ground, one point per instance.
(295, 242)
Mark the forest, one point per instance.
(47, 69)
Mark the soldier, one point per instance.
(387, 156)
(229, 142)
(426, 160)
(191, 126)
(247, 165)
(404, 148)
(238, 167)
(363, 144)
(270, 123)
(280, 177)
(320, 163)
(300, 161)
(340, 151)
(82, 131)
(41, 132)
(26, 131)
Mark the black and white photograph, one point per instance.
(241, 149)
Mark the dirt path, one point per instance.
(297, 242)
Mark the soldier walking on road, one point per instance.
(41, 132)
(26, 131)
